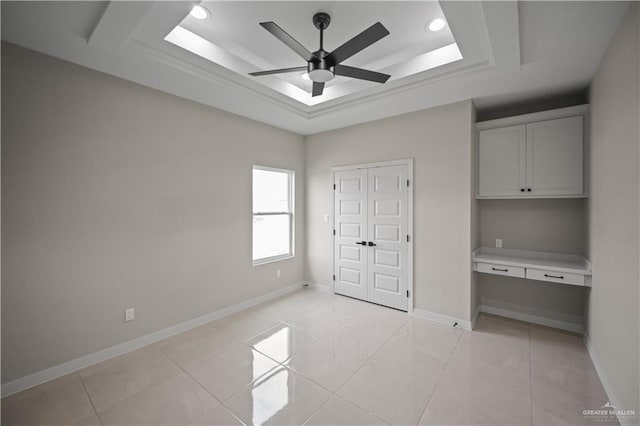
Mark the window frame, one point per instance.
(290, 213)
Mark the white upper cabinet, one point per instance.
(554, 157)
(502, 159)
(532, 156)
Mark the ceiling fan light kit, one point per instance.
(322, 66)
(199, 12)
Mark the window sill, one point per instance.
(272, 259)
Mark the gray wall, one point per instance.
(439, 141)
(613, 320)
(475, 218)
(555, 225)
(117, 196)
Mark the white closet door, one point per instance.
(350, 223)
(388, 230)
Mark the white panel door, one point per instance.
(350, 225)
(501, 161)
(555, 157)
(387, 230)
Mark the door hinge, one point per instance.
(334, 186)
(407, 293)
(407, 237)
(407, 182)
(334, 277)
(334, 232)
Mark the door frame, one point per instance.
(401, 162)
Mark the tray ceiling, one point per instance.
(231, 37)
(491, 52)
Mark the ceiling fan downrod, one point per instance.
(319, 69)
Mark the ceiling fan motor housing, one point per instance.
(319, 69)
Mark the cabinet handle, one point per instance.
(372, 244)
(501, 270)
(529, 189)
(362, 243)
(521, 189)
(560, 277)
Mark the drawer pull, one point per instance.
(559, 277)
(501, 270)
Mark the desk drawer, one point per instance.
(555, 277)
(492, 268)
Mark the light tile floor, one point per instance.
(319, 359)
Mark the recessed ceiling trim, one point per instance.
(202, 69)
(204, 72)
(494, 38)
(414, 84)
(118, 22)
(474, 43)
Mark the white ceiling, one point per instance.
(510, 51)
(232, 38)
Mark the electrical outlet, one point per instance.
(278, 274)
(498, 243)
(129, 314)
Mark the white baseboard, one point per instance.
(442, 319)
(534, 319)
(320, 287)
(51, 373)
(606, 384)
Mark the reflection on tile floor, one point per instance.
(320, 359)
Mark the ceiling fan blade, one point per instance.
(317, 89)
(360, 73)
(358, 43)
(280, 71)
(284, 37)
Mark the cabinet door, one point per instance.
(554, 157)
(501, 162)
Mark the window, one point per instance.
(272, 214)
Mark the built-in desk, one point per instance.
(534, 265)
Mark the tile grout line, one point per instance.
(162, 352)
(205, 389)
(280, 364)
(335, 393)
(88, 397)
(135, 394)
(241, 343)
(245, 343)
(367, 359)
(442, 373)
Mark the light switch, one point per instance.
(326, 217)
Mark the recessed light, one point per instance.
(436, 24)
(305, 76)
(199, 12)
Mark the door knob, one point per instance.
(371, 244)
(362, 243)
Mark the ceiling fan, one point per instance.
(322, 66)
